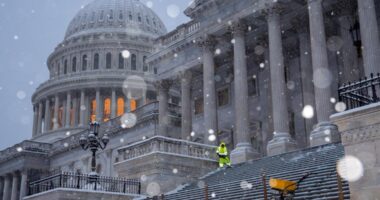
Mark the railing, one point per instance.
(180, 33)
(25, 146)
(85, 182)
(360, 93)
(167, 145)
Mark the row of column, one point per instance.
(13, 186)
(81, 106)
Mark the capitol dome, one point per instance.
(116, 16)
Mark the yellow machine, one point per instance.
(282, 185)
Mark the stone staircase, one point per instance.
(245, 181)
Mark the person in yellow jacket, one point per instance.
(222, 152)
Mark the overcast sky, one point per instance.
(29, 31)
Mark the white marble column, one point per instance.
(186, 123)
(35, 120)
(243, 150)
(307, 76)
(282, 141)
(68, 109)
(39, 122)
(1, 188)
(7, 187)
(163, 112)
(82, 109)
(98, 106)
(47, 115)
(321, 73)
(369, 31)
(75, 111)
(56, 111)
(15, 187)
(113, 103)
(24, 184)
(209, 93)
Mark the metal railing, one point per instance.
(360, 93)
(85, 182)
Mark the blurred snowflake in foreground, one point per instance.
(350, 168)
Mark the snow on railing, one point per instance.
(160, 144)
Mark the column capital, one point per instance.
(207, 42)
(163, 84)
(238, 27)
(300, 24)
(272, 9)
(185, 77)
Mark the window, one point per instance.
(74, 64)
(155, 70)
(252, 87)
(107, 109)
(121, 61)
(93, 111)
(147, 20)
(154, 22)
(96, 61)
(133, 105)
(223, 97)
(108, 60)
(59, 69)
(145, 66)
(65, 67)
(292, 123)
(110, 16)
(198, 106)
(120, 106)
(134, 64)
(130, 16)
(175, 100)
(120, 15)
(101, 15)
(93, 17)
(84, 62)
(139, 17)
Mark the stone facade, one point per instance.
(240, 72)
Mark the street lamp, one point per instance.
(94, 143)
(356, 37)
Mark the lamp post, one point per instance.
(94, 143)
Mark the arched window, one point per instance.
(110, 17)
(96, 61)
(134, 64)
(145, 66)
(65, 67)
(120, 106)
(74, 64)
(108, 60)
(107, 109)
(93, 111)
(58, 69)
(84, 62)
(120, 15)
(121, 61)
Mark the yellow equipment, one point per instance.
(283, 185)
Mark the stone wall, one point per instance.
(360, 135)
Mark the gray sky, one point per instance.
(29, 31)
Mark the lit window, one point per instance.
(134, 60)
(74, 64)
(107, 109)
(65, 67)
(60, 117)
(84, 62)
(108, 60)
(120, 106)
(96, 61)
(198, 106)
(145, 66)
(133, 104)
(223, 97)
(121, 61)
(93, 111)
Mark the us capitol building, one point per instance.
(262, 76)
